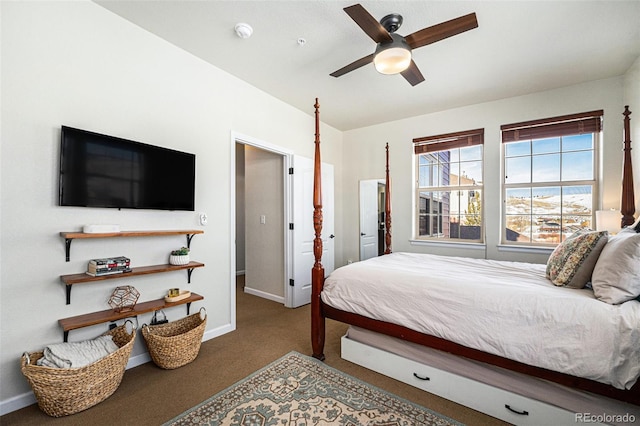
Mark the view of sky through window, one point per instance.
(549, 185)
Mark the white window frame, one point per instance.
(447, 142)
(594, 183)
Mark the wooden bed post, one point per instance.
(317, 272)
(627, 207)
(387, 206)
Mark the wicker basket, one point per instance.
(175, 343)
(64, 391)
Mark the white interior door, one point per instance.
(328, 229)
(368, 219)
(303, 234)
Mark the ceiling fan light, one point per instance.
(392, 61)
(392, 57)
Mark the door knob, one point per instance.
(332, 236)
(362, 234)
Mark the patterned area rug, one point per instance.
(302, 391)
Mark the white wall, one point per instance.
(368, 144)
(77, 64)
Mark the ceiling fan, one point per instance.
(393, 53)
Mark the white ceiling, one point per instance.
(519, 47)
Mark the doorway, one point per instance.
(260, 214)
(258, 256)
(372, 223)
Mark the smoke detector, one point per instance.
(243, 30)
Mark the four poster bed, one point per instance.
(495, 327)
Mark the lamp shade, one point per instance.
(608, 220)
(393, 57)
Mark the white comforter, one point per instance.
(504, 308)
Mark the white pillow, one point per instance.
(616, 276)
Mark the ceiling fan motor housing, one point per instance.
(397, 41)
(391, 22)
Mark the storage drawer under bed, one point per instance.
(490, 400)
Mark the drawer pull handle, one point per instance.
(522, 413)
(421, 378)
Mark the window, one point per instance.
(449, 170)
(549, 177)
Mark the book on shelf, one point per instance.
(107, 261)
(101, 273)
(108, 268)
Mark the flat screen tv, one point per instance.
(104, 171)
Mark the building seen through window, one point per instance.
(449, 187)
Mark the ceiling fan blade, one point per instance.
(413, 74)
(368, 23)
(353, 66)
(441, 31)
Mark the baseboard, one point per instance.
(264, 295)
(137, 360)
(17, 402)
(28, 398)
(219, 331)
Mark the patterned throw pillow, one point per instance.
(572, 261)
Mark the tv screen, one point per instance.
(104, 171)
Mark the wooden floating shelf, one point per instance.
(70, 280)
(70, 236)
(142, 270)
(110, 315)
(78, 235)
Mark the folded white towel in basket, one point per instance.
(77, 354)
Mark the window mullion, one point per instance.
(570, 210)
(440, 210)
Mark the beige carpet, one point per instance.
(265, 331)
